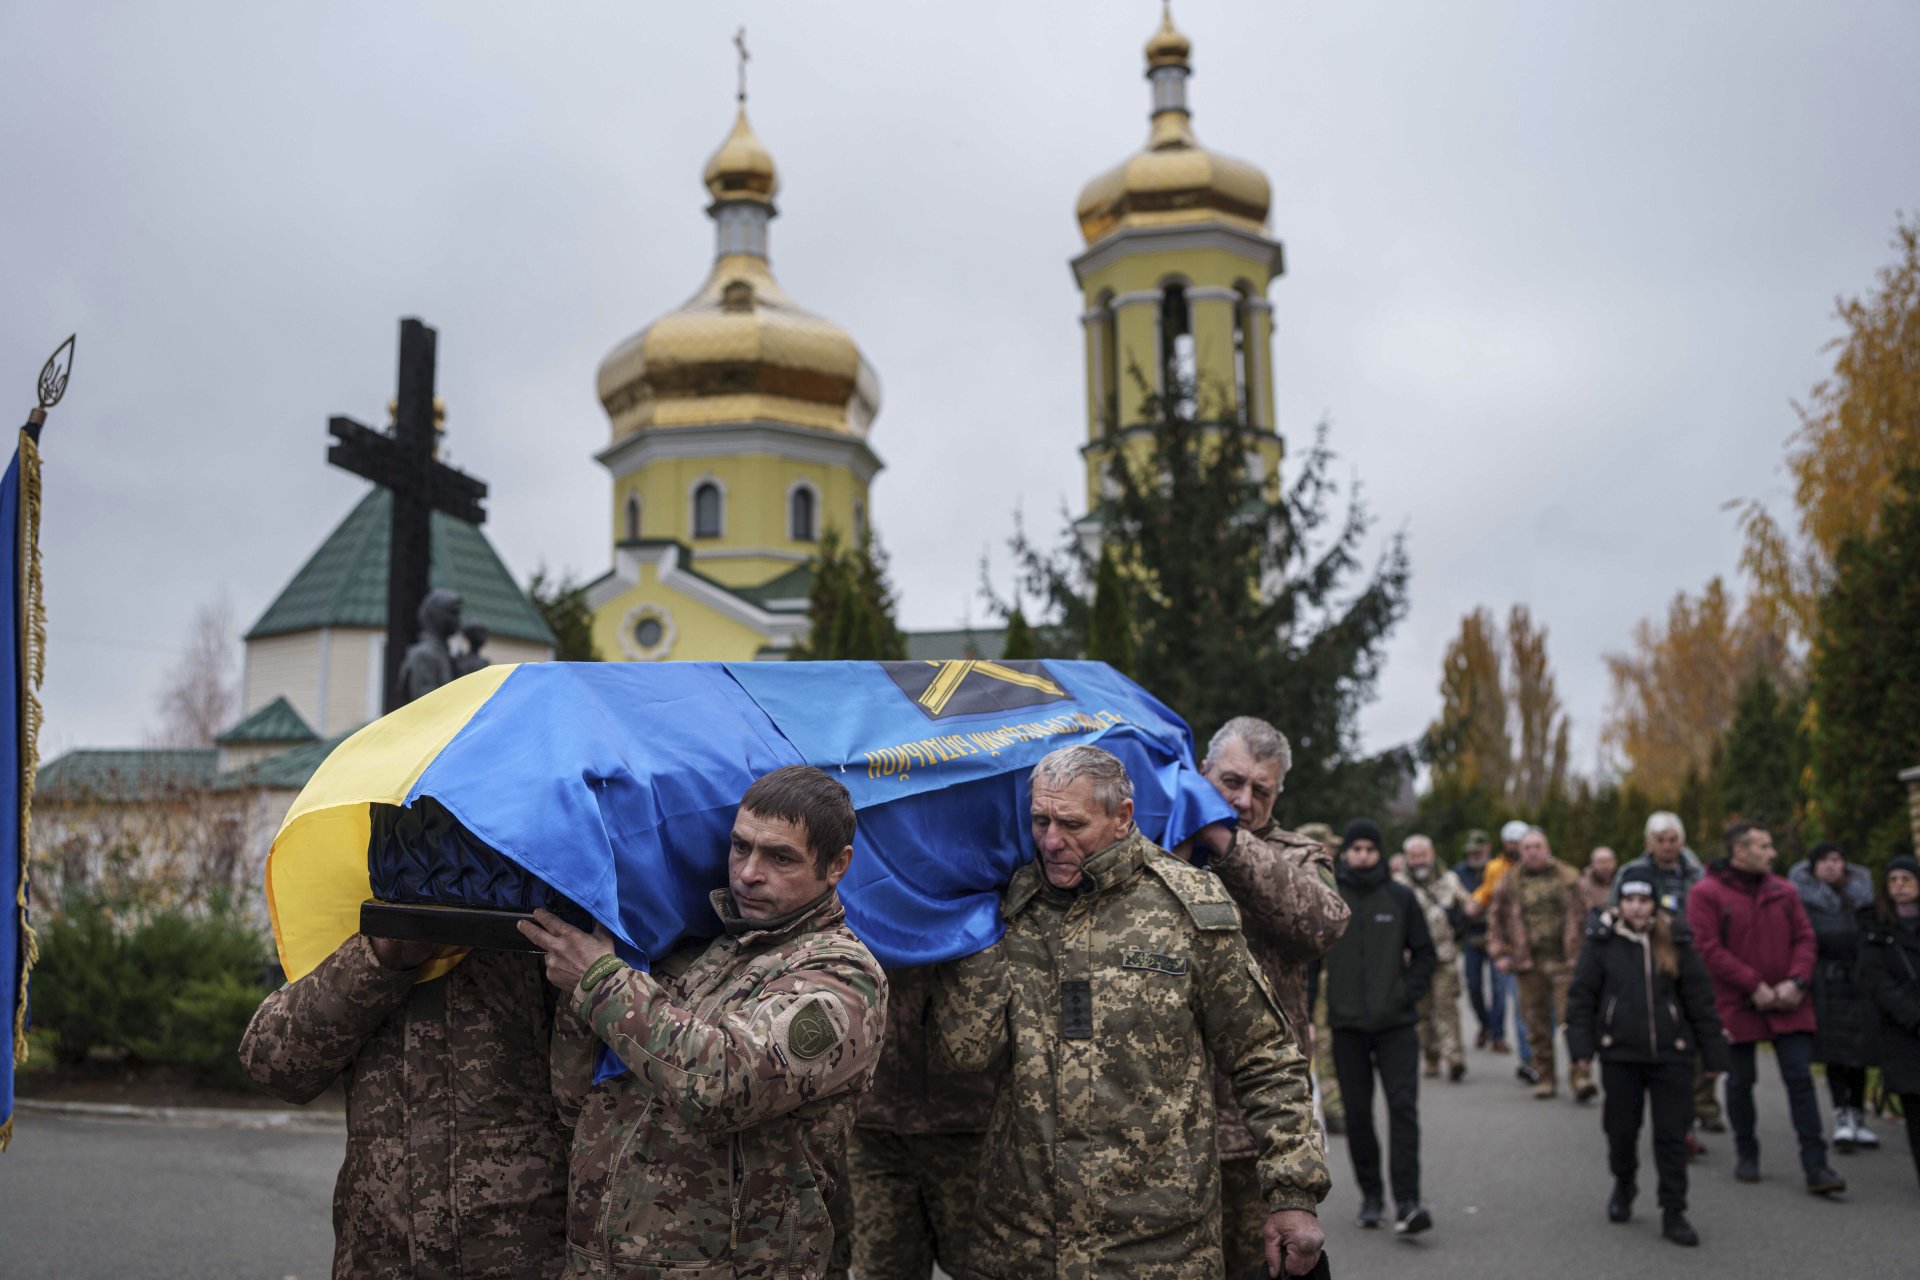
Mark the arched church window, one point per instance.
(706, 510)
(1109, 380)
(800, 514)
(633, 516)
(1243, 390)
(1178, 371)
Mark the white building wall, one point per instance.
(288, 666)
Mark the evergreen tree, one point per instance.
(563, 605)
(1242, 597)
(850, 605)
(1019, 645)
(1866, 685)
(1109, 630)
(1761, 765)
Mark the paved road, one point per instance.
(1517, 1188)
(84, 1198)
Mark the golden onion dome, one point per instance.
(740, 350)
(1168, 47)
(742, 169)
(1173, 179)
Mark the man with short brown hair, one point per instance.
(720, 1144)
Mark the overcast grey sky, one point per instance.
(1555, 271)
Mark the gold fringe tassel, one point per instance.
(33, 670)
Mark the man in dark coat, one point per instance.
(1835, 893)
(1752, 932)
(1375, 975)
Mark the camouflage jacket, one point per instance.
(715, 1154)
(456, 1162)
(1537, 916)
(1442, 899)
(1104, 1008)
(1292, 914)
(912, 1092)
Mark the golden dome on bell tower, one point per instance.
(742, 169)
(1173, 179)
(740, 350)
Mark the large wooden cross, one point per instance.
(405, 465)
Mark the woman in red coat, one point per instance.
(1749, 927)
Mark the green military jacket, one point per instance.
(715, 1154)
(1105, 1008)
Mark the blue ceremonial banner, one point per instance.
(616, 784)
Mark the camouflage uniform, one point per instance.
(456, 1163)
(1292, 914)
(915, 1151)
(1537, 919)
(1442, 898)
(716, 1154)
(1105, 1007)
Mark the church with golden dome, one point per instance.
(739, 422)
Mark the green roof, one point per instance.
(344, 584)
(132, 774)
(287, 771)
(275, 722)
(795, 584)
(971, 642)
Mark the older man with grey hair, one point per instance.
(1123, 977)
(1292, 914)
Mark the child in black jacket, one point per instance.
(1642, 1002)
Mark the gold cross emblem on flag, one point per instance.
(952, 675)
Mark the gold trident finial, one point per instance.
(740, 43)
(53, 380)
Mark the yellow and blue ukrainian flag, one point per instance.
(616, 784)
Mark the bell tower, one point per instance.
(1174, 279)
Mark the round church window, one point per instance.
(647, 633)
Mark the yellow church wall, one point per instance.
(699, 632)
(1139, 336)
(754, 516)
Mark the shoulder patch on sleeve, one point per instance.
(1200, 892)
(811, 1033)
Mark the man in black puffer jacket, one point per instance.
(1376, 974)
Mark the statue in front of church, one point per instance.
(429, 662)
(471, 659)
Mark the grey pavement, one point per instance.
(1517, 1188)
(87, 1198)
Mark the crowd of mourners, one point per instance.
(1666, 973)
(1137, 1080)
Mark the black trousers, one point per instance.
(1630, 1087)
(1395, 1054)
(1848, 1085)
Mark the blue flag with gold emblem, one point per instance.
(615, 784)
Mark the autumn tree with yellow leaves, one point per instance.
(1500, 743)
(1858, 428)
(1675, 692)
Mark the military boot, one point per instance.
(1620, 1203)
